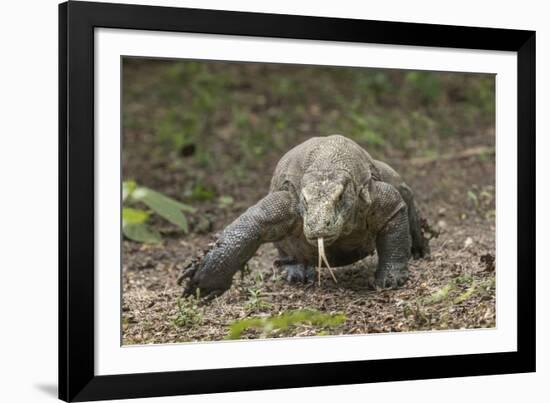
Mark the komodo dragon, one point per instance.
(330, 200)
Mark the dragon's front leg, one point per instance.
(270, 220)
(390, 219)
(393, 245)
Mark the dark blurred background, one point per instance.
(205, 132)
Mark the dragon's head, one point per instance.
(327, 201)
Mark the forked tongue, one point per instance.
(323, 258)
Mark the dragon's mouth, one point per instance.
(327, 240)
(323, 258)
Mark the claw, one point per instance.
(190, 289)
(188, 272)
(213, 294)
(391, 278)
(199, 281)
(203, 297)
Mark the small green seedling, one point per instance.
(256, 300)
(188, 314)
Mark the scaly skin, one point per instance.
(267, 221)
(330, 188)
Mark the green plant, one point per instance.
(256, 300)
(363, 129)
(188, 314)
(440, 295)
(425, 85)
(455, 292)
(450, 290)
(177, 129)
(284, 321)
(225, 201)
(200, 192)
(466, 294)
(134, 220)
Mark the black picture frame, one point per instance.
(77, 21)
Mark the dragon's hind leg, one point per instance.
(420, 244)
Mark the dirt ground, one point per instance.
(454, 288)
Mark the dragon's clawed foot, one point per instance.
(187, 279)
(197, 280)
(296, 272)
(421, 241)
(391, 275)
(420, 248)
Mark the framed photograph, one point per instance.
(258, 201)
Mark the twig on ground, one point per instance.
(469, 152)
